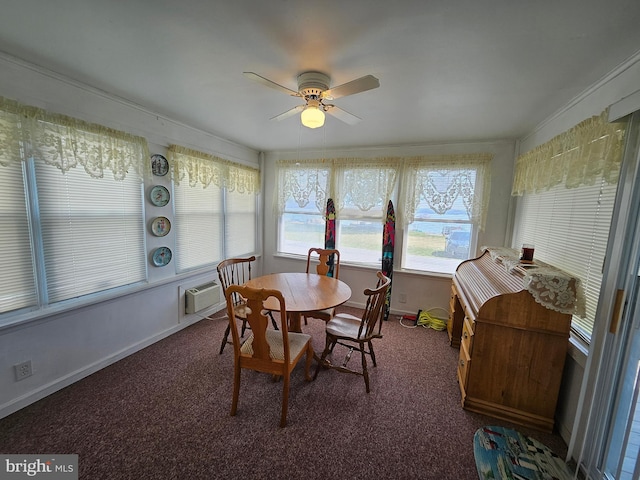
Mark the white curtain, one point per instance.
(66, 143)
(365, 185)
(204, 169)
(441, 180)
(588, 152)
(303, 181)
(369, 183)
(361, 183)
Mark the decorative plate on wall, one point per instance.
(160, 226)
(161, 256)
(159, 165)
(159, 196)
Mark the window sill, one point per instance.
(425, 273)
(578, 351)
(371, 266)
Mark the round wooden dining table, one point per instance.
(302, 292)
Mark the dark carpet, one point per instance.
(163, 413)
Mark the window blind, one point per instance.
(17, 282)
(92, 231)
(240, 224)
(570, 230)
(198, 225)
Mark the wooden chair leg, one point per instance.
(373, 355)
(285, 400)
(273, 320)
(244, 327)
(307, 365)
(236, 390)
(365, 372)
(225, 338)
(325, 352)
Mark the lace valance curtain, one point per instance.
(441, 180)
(364, 184)
(303, 182)
(204, 169)
(368, 184)
(590, 150)
(66, 143)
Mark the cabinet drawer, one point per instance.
(464, 360)
(456, 319)
(467, 335)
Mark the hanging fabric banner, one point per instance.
(388, 243)
(330, 232)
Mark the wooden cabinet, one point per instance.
(512, 348)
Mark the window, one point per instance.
(569, 229)
(360, 189)
(300, 228)
(441, 195)
(92, 231)
(359, 234)
(303, 193)
(215, 208)
(437, 240)
(18, 279)
(73, 208)
(198, 224)
(568, 189)
(240, 224)
(445, 206)
(362, 193)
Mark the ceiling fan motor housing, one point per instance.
(312, 84)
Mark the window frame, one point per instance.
(538, 232)
(55, 151)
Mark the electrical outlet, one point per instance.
(23, 370)
(402, 298)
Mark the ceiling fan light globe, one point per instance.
(312, 117)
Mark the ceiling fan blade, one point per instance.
(268, 83)
(288, 113)
(342, 115)
(362, 84)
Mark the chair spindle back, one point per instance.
(235, 271)
(372, 315)
(325, 258)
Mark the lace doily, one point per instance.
(550, 287)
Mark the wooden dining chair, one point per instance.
(356, 333)
(267, 350)
(323, 258)
(236, 271)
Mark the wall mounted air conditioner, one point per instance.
(201, 297)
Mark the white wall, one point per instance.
(423, 291)
(618, 84)
(65, 344)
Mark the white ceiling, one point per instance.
(449, 70)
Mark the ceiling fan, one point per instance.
(313, 87)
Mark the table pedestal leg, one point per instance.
(294, 322)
